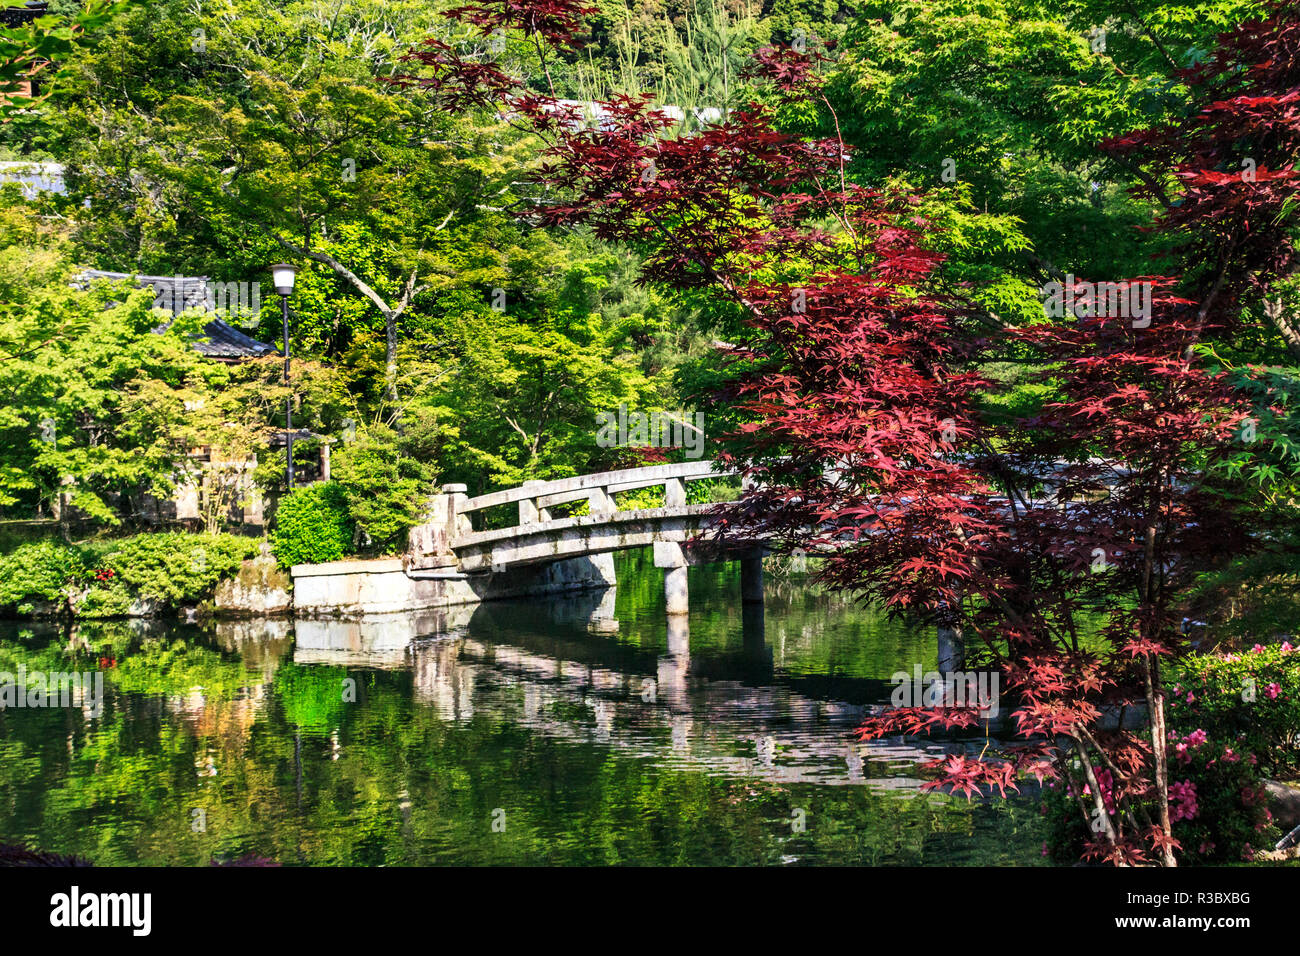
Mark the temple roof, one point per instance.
(178, 294)
(13, 16)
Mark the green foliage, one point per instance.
(100, 408)
(312, 525)
(103, 578)
(1250, 701)
(109, 599)
(37, 571)
(571, 342)
(963, 100)
(386, 474)
(43, 46)
(177, 568)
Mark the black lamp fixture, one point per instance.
(282, 275)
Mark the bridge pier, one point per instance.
(672, 668)
(753, 634)
(751, 580)
(677, 597)
(952, 648)
(952, 642)
(669, 556)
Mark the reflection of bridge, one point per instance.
(448, 545)
(539, 668)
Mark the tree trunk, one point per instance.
(390, 354)
(1159, 750)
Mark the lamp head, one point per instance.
(282, 277)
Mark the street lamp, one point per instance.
(282, 276)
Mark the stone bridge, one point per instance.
(447, 546)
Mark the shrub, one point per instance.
(105, 598)
(1217, 805)
(176, 568)
(1250, 701)
(312, 525)
(386, 476)
(1217, 800)
(37, 571)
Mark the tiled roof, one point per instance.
(11, 16)
(227, 342)
(180, 293)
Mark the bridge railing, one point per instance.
(536, 498)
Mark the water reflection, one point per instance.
(603, 730)
(559, 669)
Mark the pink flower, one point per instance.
(1257, 648)
(1206, 847)
(1182, 801)
(1272, 690)
(1229, 756)
(1286, 647)
(1044, 849)
(1191, 698)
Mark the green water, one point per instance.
(556, 731)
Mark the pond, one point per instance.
(579, 730)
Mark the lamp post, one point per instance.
(282, 277)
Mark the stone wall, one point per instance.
(260, 587)
(353, 588)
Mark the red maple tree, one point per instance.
(857, 379)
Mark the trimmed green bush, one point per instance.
(386, 478)
(177, 568)
(103, 599)
(37, 571)
(103, 577)
(312, 525)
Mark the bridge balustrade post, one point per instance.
(428, 544)
(600, 502)
(456, 522)
(529, 513)
(674, 493)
